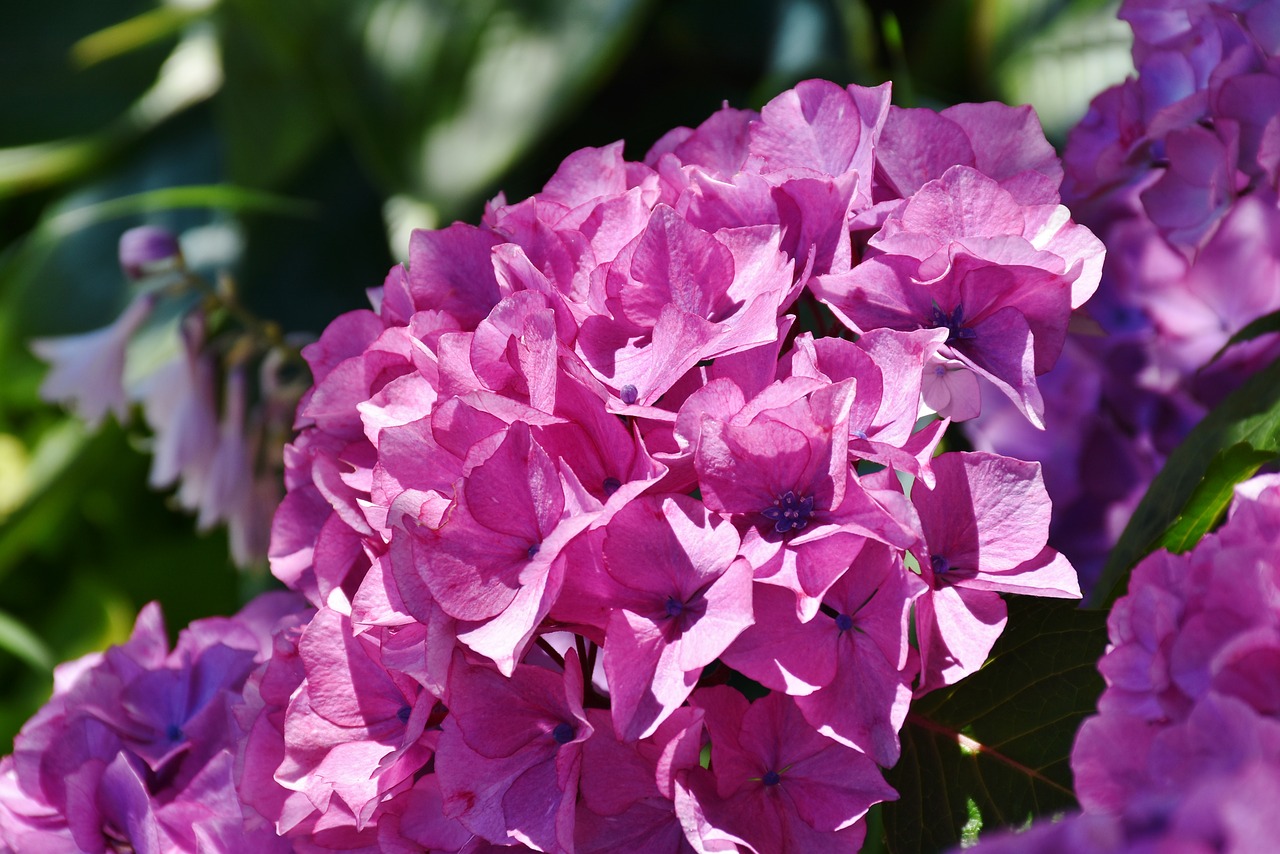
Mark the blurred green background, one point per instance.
(378, 117)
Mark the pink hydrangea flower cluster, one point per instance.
(1177, 169)
(612, 547)
(135, 750)
(1184, 753)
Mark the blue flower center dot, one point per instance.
(674, 607)
(629, 393)
(771, 778)
(611, 485)
(403, 714)
(563, 733)
(173, 732)
(844, 622)
(533, 550)
(940, 564)
(953, 322)
(789, 512)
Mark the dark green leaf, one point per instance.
(999, 742)
(45, 96)
(1211, 497)
(1249, 416)
(271, 115)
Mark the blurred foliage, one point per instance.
(294, 143)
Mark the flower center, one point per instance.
(844, 622)
(674, 607)
(771, 778)
(403, 714)
(953, 323)
(611, 485)
(533, 550)
(940, 564)
(789, 512)
(563, 733)
(629, 394)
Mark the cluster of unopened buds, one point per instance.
(623, 515)
(217, 388)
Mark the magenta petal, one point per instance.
(778, 650)
(957, 629)
(450, 269)
(821, 127)
(986, 514)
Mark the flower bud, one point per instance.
(147, 250)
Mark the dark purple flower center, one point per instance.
(611, 485)
(533, 550)
(173, 732)
(771, 778)
(674, 607)
(789, 512)
(563, 733)
(403, 714)
(844, 622)
(953, 323)
(629, 393)
(940, 564)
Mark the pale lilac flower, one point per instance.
(87, 370)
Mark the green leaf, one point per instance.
(1249, 416)
(438, 97)
(994, 750)
(1213, 494)
(17, 639)
(1053, 54)
(1256, 328)
(202, 196)
(154, 25)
